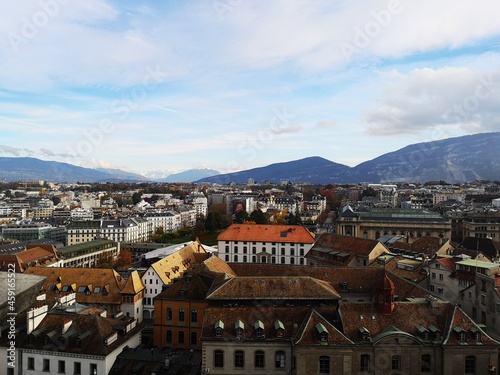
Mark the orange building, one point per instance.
(179, 310)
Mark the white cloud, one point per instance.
(426, 98)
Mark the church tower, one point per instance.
(384, 295)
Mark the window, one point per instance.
(364, 363)
(324, 364)
(61, 367)
(441, 277)
(181, 337)
(218, 332)
(169, 313)
(239, 359)
(93, 369)
(194, 316)
(470, 364)
(181, 315)
(77, 368)
(46, 365)
(433, 275)
(259, 359)
(279, 359)
(218, 358)
(425, 363)
(169, 336)
(31, 363)
(396, 362)
(431, 288)
(194, 339)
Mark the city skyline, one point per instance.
(233, 85)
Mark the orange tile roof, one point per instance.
(448, 263)
(134, 284)
(217, 265)
(267, 233)
(173, 265)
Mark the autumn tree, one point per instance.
(124, 260)
(105, 260)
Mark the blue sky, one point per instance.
(236, 84)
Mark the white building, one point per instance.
(280, 244)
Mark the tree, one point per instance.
(368, 192)
(259, 217)
(124, 260)
(215, 221)
(105, 260)
(240, 217)
(136, 197)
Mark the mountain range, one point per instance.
(460, 159)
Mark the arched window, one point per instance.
(364, 363)
(280, 359)
(396, 362)
(259, 359)
(218, 358)
(239, 359)
(425, 363)
(324, 365)
(470, 364)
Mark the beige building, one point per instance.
(373, 223)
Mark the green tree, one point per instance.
(259, 217)
(136, 197)
(240, 217)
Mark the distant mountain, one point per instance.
(312, 169)
(189, 176)
(32, 169)
(460, 159)
(122, 175)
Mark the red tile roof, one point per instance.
(267, 233)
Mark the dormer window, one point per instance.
(436, 333)
(424, 332)
(239, 326)
(280, 329)
(476, 333)
(460, 333)
(323, 332)
(259, 329)
(365, 334)
(219, 328)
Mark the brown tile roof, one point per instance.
(309, 334)
(395, 264)
(79, 278)
(93, 329)
(274, 288)
(291, 318)
(133, 285)
(460, 321)
(407, 317)
(356, 280)
(173, 265)
(267, 233)
(426, 245)
(193, 287)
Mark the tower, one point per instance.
(384, 295)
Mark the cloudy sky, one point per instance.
(237, 84)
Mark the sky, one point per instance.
(230, 85)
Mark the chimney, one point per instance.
(66, 324)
